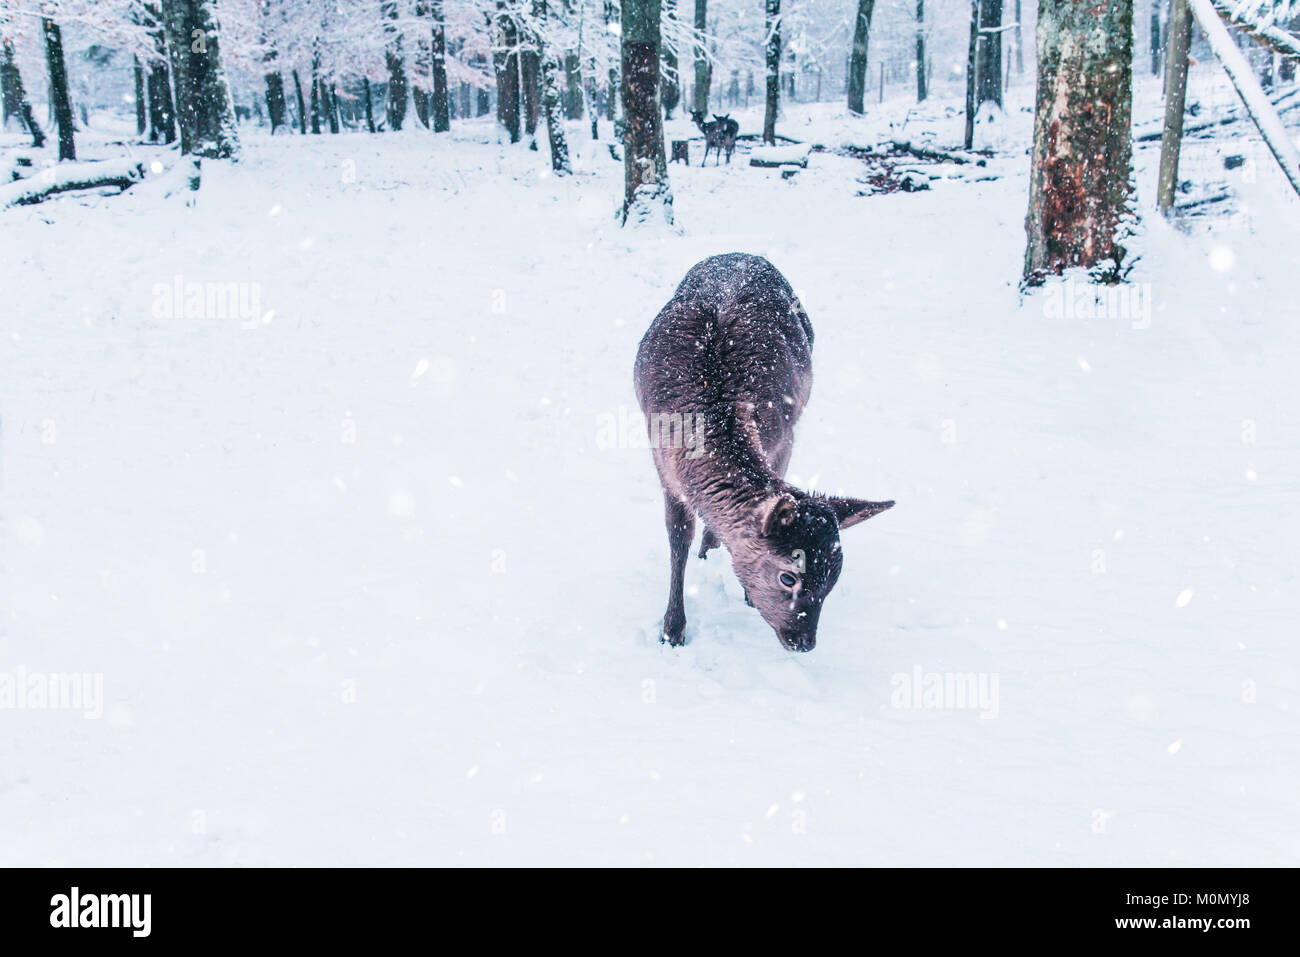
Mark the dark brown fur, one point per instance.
(734, 346)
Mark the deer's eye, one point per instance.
(788, 580)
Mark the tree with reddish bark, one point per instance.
(1079, 178)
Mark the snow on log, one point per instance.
(122, 173)
(780, 155)
(1267, 34)
(1252, 94)
(933, 153)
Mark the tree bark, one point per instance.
(302, 106)
(921, 91)
(701, 58)
(275, 105)
(1079, 174)
(645, 171)
(857, 81)
(440, 107)
(59, 97)
(506, 60)
(204, 110)
(395, 105)
(141, 108)
(988, 69)
(971, 64)
(671, 93)
(531, 78)
(370, 108)
(550, 87)
(772, 20)
(15, 96)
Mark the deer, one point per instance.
(730, 130)
(733, 348)
(714, 133)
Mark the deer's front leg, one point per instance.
(681, 530)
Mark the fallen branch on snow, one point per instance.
(122, 173)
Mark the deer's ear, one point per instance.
(777, 512)
(851, 511)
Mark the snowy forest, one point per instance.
(333, 494)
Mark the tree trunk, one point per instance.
(141, 110)
(988, 68)
(858, 57)
(395, 107)
(440, 107)
(59, 98)
(550, 87)
(531, 78)
(315, 102)
(275, 106)
(772, 24)
(671, 92)
(1155, 39)
(506, 61)
(370, 109)
(1079, 175)
(701, 97)
(15, 96)
(330, 95)
(1020, 41)
(971, 64)
(573, 85)
(645, 171)
(203, 106)
(1171, 138)
(302, 106)
(921, 91)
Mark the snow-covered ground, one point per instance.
(365, 585)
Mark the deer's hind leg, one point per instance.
(680, 521)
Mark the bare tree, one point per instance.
(645, 171)
(773, 50)
(857, 81)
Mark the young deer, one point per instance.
(733, 347)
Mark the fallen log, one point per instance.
(934, 153)
(122, 173)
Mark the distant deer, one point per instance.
(715, 135)
(733, 347)
(730, 130)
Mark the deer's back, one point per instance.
(734, 344)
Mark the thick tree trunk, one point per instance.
(701, 98)
(1154, 38)
(921, 91)
(645, 171)
(395, 107)
(573, 86)
(1079, 176)
(440, 107)
(204, 110)
(550, 86)
(16, 103)
(772, 24)
(530, 76)
(857, 81)
(331, 98)
(971, 63)
(60, 100)
(141, 108)
(506, 62)
(988, 59)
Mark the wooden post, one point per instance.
(1171, 140)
